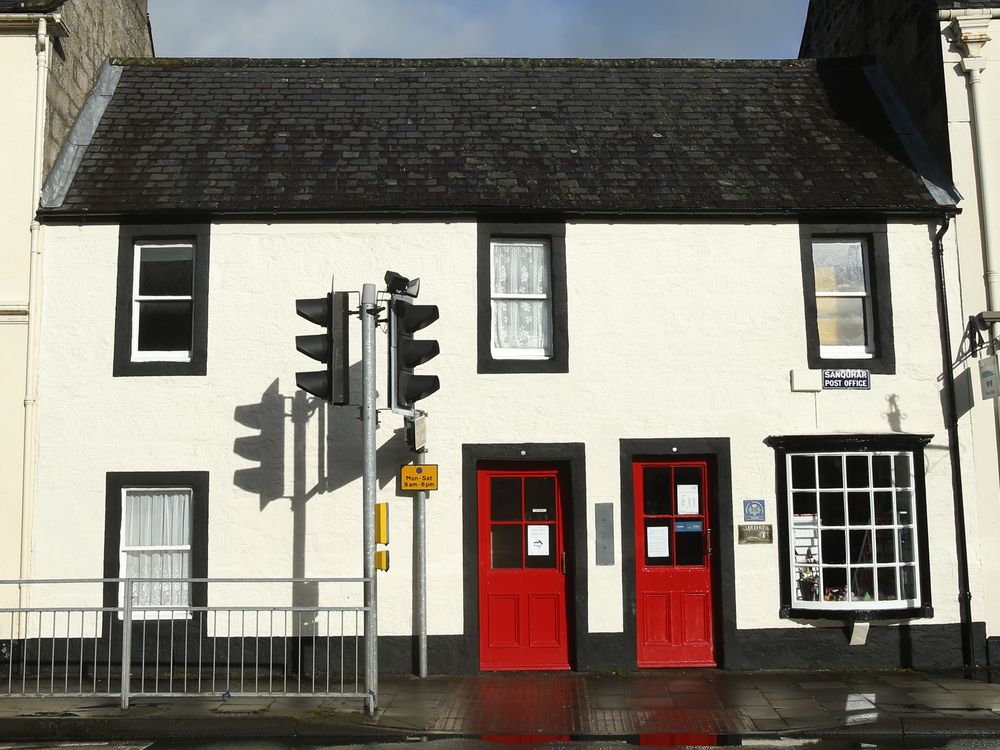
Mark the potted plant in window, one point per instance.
(808, 584)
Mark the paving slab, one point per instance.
(651, 703)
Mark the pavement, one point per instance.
(663, 707)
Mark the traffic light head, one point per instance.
(406, 353)
(330, 347)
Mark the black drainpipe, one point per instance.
(964, 595)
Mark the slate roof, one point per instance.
(464, 136)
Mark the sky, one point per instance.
(477, 28)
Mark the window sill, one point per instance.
(856, 615)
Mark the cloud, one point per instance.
(475, 28)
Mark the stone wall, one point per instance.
(903, 36)
(97, 30)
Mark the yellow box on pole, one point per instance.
(381, 523)
(382, 560)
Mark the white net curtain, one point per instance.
(522, 301)
(156, 543)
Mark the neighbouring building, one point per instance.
(50, 54)
(944, 60)
(692, 332)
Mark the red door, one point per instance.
(522, 580)
(673, 553)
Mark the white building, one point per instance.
(644, 269)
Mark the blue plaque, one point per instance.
(753, 510)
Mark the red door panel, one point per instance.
(522, 581)
(673, 576)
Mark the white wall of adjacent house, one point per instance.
(678, 330)
(966, 163)
(17, 92)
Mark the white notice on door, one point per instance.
(658, 541)
(538, 540)
(687, 499)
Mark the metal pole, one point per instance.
(420, 553)
(369, 417)
(126, 641)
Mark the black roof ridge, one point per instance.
(471, 62)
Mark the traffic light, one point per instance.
(331, 348)
(405, 353)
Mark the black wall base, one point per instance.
(904, 646)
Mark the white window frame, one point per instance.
(796, 567)
(123, 550)
(499, 352)
(137, 300)
(848, 352)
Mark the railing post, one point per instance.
(126, 641)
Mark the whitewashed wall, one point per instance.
(17, 93)
(675, 330)
(968, 229)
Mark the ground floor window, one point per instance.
(156, 535)
(853, 524)
(156, 545)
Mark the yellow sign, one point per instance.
(423, 477)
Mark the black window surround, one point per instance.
(883, 359)
(128, 236)
(790, 444)
(555, 233)
(115, 482)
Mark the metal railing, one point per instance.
(171, 637)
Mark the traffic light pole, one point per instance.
(420, 522)
(369, 418)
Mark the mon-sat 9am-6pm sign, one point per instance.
(423, 477)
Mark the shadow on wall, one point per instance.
(333, 434)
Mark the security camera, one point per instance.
(396, 283)
(987, 318)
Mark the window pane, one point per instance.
(857, 472)
(157, 518)
(806, 544)
(906, 546)
(656, 491)
(804, 504)
(689, 536)
(834, 547)
(883, 509)
(882, 471)
(166, 271)
(689, 490)
(862, 584)
(902, 470)
(839, 266)
(885, 546)
(540, 498)
(521, 267)
(859, 508)
(540, 542)
(835, 584)
(807, 588)
(861, 546)
(830, 473)
(803, 472)
(505, 499)
(831, 508)
(165, 326)
(887, 590)
(522, 324)
(841, 321)
(505, 546)
(904, 508)
(659, 548)
(158, 565)
(908, 574)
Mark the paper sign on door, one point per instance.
(538, 540)
(687, 499)
(658, 541)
